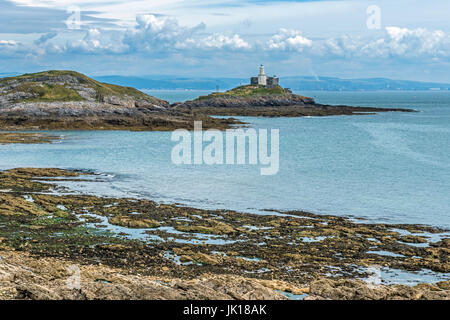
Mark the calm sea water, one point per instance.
(389, 167)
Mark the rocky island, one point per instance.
(264, 97)
(70, 100)
(273, 101)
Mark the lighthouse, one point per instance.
(262, 78)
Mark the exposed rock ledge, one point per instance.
(246, 102)
(24, 277)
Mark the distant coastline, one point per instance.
(297, 83)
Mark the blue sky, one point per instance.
(402, 39)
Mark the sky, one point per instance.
(401, 39)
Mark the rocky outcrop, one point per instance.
(256, 101)
(52, 86)
(26, 138)
(25, 277)
(69, 100)
(245, 102)
(328, 289)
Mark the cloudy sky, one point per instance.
(402, 39)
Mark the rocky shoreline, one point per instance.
(24, 276)
(128, 248)
(67, 100)
(275, 102)
(315, 110)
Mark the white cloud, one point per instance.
(403, 41)
(11, 48)
(216, 41)
(94, 42)
(151, 34)
(288, 40)
(154, 33)
(166, 39)
(394, 43)
(8, 43)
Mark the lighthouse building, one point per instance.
(263, 80)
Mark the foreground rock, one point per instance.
(327, 289)
(70, 100)
(143, 241)
(25, 277)
(26, 138)
(269, 102)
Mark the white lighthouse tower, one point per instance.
(262, 78)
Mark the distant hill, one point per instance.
(369, 84)
(8, 74)
(294, 83)
(174, 83)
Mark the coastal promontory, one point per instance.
(70, 100)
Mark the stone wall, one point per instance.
(271, 81)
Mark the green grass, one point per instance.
(246, 91)
(48, 93)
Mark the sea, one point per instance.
(389, 167)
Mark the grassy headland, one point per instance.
(66, 100)
(43, 89)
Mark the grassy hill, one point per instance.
(61, 85)
(247, 91)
